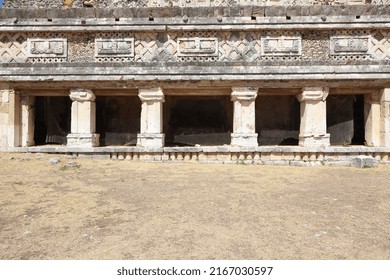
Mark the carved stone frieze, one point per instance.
(180, 3)
(380, 45)
(350, 44)
(122, 47)
(344, 45)
(13, 47)
(45, 48)
(194, 46)
(281, 46)
(197, 46)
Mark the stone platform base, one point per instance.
(154, 140)
(268, 155)
(315, 141)
(244, 140)
(83, 140)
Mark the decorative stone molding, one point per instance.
(313, 94)
(47, 48)
(281, 46)
(81, 95)
(197, 46)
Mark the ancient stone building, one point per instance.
(265, 81)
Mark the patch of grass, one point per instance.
(19, 183)
(63, 168)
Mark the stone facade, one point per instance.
(209, 62)
(179, 3)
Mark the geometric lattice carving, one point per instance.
(380, 45)
(152, 47)
(13, 47)
(239, 46)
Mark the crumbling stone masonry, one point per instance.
(265, 81)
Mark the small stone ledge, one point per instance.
(265, 155)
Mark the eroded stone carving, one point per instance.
(44, 48)
(342, 45)
(350, 44)
(181, 3)
(197, 46)
(281, 46)
(114, 47)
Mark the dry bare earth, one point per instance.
(103, 209)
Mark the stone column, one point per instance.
(313, 117)
(9, 117)
(244, 129)
(83, 123)
(372, 114)
(27, 120)
(151, 118)
(385, 117)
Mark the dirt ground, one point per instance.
(104, 209)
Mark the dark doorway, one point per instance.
(118, 120)
(345, 119)
(198, 120)
(52, 119)
(277, 120)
